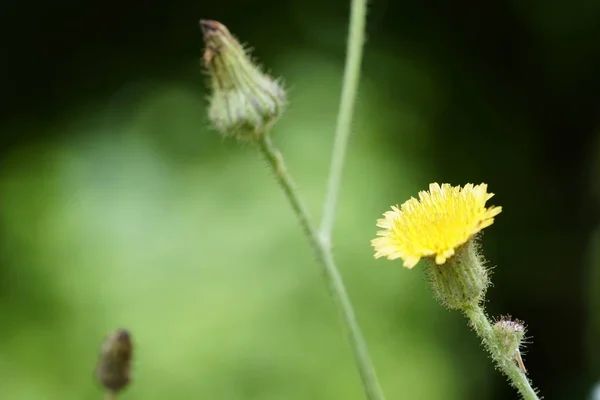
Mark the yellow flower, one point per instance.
(441, 220)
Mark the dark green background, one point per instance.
(118, 207)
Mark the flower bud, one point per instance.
(462, 281)
(245, 102)
(114, 366)
(510, 336)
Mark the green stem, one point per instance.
(329, 270)
(110, 395)
(506, 363)
(356, 38)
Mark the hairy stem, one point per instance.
(505, 362)
(110, 395)
(356, 38)
(330, 273)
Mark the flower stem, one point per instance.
(505, 362)
(330, 273)
(110, 395)
(354, 50)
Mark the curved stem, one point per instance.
(356, 38)
(329, 270)
(505, 363)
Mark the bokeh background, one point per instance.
(119, 207)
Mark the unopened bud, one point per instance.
(245, 102)
(510, 336)
(114, 366)
(462, 281)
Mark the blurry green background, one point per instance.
(120, 208)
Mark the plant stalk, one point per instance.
(110, 395)
(329, 270)
(354, 53)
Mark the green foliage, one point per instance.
(120, 225)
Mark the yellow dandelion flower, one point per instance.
(441, 220)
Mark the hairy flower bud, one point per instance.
(510, 336)
(114, 366)
(462, 281)
(245, 102)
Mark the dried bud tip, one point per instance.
(114, 365)
(209, 26)
(245, 102)
(214, 33)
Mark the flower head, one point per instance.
(245, 102)
(441, 220)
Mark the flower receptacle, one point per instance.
(462, 280)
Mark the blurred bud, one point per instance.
(510, 336)
(114, 366)
(463, 280)
(245, 102)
